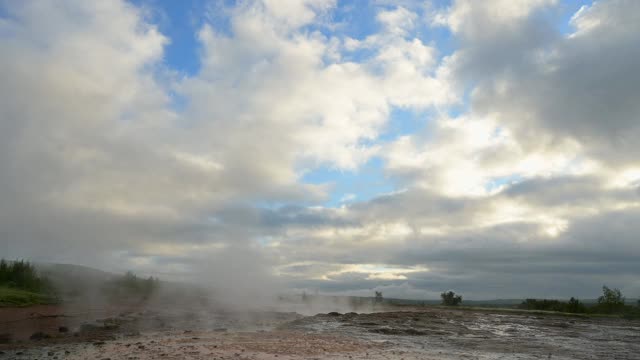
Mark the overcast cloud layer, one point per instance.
(520, 178)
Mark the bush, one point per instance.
(449, 298)
(378, 297)
(610, 302)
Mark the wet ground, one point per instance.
(467, 334)
(420, 333)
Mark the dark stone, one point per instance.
(63, 329)
(89, 328)
(39, 336)
(5, 338)
(391, 331)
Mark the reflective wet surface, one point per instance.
(421, 333)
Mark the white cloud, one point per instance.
(476, 19)
(398, 21)
(466, 155)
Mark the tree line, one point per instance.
(131, 286)
(23, 276)
(610, 302)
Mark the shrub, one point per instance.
(611, 301)
(378, 297)
(449, 298)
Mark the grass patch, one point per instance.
(16, 297)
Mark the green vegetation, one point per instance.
(573, 306)
(610, 303)
(449, 298)
(17, 297)
(21, 285)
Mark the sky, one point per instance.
(339, 147)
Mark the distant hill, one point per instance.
(76, 283)
(64, 273)
(72, 281)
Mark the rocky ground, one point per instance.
(417, 333)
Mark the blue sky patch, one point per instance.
(363, 184)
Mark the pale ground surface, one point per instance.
(422, 333)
